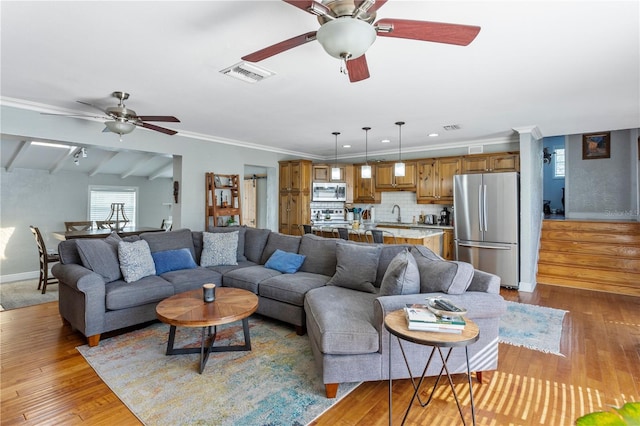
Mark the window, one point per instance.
(101, 197)
(559, 164)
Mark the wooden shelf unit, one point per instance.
(217, 189)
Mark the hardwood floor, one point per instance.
(44, 380)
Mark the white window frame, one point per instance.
(126, 195)
(556, 175)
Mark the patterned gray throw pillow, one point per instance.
(219, 249)
(135, 260)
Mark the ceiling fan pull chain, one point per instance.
(343, 66)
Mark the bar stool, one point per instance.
(377, 236)
(342, 233)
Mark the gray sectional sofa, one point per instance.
(339, 293)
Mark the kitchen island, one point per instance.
(428, 237)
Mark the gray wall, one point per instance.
(38, 198)
(603, 188)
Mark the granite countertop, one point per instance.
(412, 225)
(403, 233)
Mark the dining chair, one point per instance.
(45, 259)
(78, 225)
(105, 224)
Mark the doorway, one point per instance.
(554, 176)
(254, 197)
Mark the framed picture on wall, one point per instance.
(596, 145)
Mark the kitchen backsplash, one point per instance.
(408, 207)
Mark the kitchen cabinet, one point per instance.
(435, 179)
(295, 196)
(448, 245)
(385, 180)
(322, 173)
(491, 163)
(364, 191)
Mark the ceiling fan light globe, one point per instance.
(120, 127)
(346, 37)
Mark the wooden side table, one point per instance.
(188, 309)
(396, 323)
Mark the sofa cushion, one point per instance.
(189, 279)
(341, 320)
(285, 262)
(101, 256)
(172, 240)
(221, 229)
(223, 269)
(320, 254)
(219, 249)
(254, 242)
(387, 253)
(402, 276)
(291, 288)
(356, 266)
(122, 295)
(135, 260)
(436, 275)
(288, 243)
(173, 260)
(248, 278)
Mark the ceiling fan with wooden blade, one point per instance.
(347, 30)
(122, 120)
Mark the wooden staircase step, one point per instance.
(593, 261)
(597, 255)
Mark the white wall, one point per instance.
(35, 197)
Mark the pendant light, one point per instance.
(399, 166)
(335, 170)
(365, 171)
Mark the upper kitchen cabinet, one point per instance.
(435, 179)
(295, 176)
(385, 180)
(364, 191)
(491, 163)
(322, 173)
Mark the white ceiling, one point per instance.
(566, 67)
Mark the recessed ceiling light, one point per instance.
(346, 146)
(433, 135)
(385, 141)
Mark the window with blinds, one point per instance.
(101, 198)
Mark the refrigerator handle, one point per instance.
(471, 245)
(484, 207)
(480, 207)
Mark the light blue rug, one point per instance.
(276, 383)
(533, 327)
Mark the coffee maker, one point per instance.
(445, 217)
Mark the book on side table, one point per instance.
(421, 318)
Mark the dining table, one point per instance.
(103, 233)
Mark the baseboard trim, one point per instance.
(22, 276)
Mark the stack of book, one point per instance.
(422, 318)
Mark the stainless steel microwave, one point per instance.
(329, 191)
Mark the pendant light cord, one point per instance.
(399, 124)
(366, 144)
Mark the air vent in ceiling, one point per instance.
(247, 72)
(452, 127)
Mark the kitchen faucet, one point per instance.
(394, 209)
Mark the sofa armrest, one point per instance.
(484, 282)
(80, 278)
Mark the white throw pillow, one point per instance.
(219, 248)
(135, 260)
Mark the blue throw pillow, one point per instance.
(285, 262)
(173, 260)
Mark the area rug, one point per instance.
(25, 293)
(533, 327)
(276, 383)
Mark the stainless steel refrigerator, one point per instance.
(487, 223)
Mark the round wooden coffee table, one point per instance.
(396, 323)
(188, 309)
